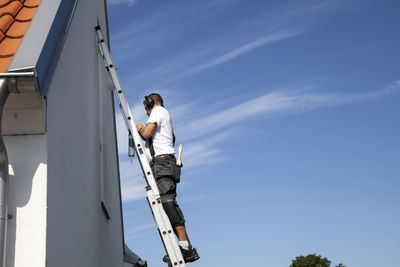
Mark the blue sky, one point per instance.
(288, 115)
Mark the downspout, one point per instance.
(4, 176)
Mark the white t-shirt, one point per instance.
(163, 134)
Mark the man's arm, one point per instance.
(146, 131)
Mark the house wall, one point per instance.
(58, 180)
(81, 145)
(24, 113)
(27, 196)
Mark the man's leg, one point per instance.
(178, 222)
(168, 197)
(181, 232)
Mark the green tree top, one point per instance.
(311, 260)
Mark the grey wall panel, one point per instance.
(78, 234)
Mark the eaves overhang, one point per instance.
(131, 258)
(42, 44)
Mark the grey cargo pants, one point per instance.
(167, 175)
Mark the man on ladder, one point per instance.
(158, 132)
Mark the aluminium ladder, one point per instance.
(153, 195)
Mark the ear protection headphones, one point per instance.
(148, 102)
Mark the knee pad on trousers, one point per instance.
(174, 213)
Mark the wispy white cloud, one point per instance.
(192, 198)
(275, 103)
(146, 36)
(162, 27)
(141, 228)
(202, 135)
(140, 235)
(132, 181)
(126, 2)
(195, 59)
(132, 190)
(273, 37)
(205, 151)
(307, 10)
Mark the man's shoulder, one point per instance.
(158, 114)
(161, 110)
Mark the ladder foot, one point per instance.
(190, 255)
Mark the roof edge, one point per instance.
(44, 40)
(54, 44)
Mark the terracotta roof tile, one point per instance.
(6, 2)
(9, 46)
(4, 62)
(5, 22)
(18, 29)
(11, 8)
(25, 14)
(31, 3)
(15, 18)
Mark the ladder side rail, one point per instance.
(124, 106)
(165, 230)
(115, 79)
(153, 196)
(126, 113)
(139, 148)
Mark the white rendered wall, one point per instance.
(82, 145)
(27, 187)
(56, 184)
